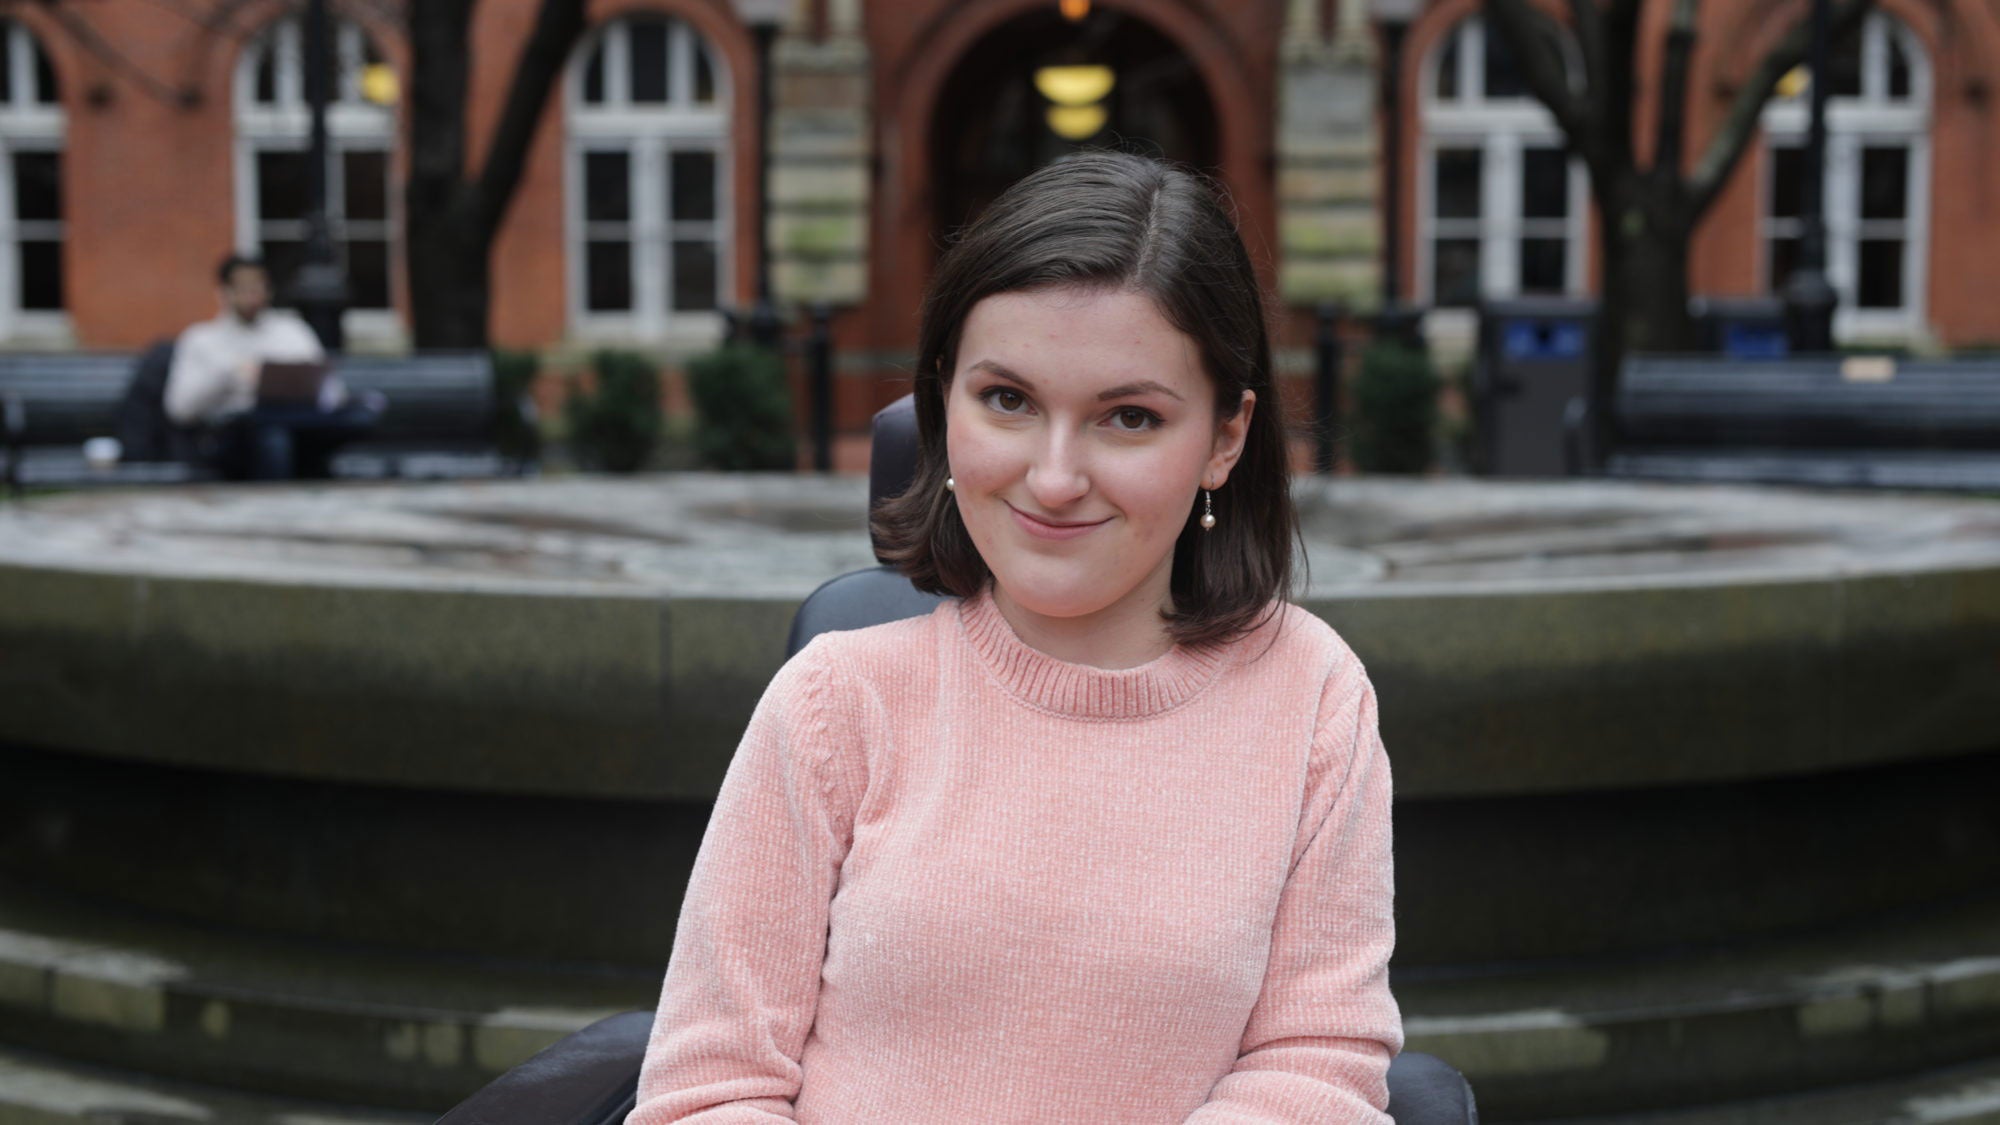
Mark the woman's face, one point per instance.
(1080, 428)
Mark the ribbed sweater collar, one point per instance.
(1080, 690)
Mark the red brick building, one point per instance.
(143, 140)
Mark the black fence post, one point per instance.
(1326, 384)
(819, 369)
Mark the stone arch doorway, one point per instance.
(991, 124)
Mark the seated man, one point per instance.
(214, 382)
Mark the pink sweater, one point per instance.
(952, 879)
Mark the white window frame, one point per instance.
(1501, 128)
(1854, 124)
(649, 133)
(26, 125)
(285, 125)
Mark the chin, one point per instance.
(1056, 598)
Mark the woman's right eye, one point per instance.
(1004, 400)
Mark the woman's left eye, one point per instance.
(1133, 418)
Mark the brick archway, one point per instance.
(904, 243)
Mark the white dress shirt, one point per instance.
(214, 362)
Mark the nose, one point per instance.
(1058, 477)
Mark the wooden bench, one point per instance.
(53, 402)
(440, 419)
(1835, 421)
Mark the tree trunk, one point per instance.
(449, 282)
(447, 261)
(1643, 240)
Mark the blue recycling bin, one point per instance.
(1534, 356)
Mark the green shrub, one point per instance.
(745, 409)
(516, 429)
(616, 426)
(1396, 408)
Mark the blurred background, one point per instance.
(1645, 396)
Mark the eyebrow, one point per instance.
(1122, 390)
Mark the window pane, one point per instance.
(649, 60)
(1457, 178)
(45, 77)
(1885, 182)
(608, 276)
(607, 187)
(281, 185)
(1783, 259)
(1502, 79)
(1447, 66)
(283, 256)
(41, 275)
(1844, 68)
(368, 273)
(38, 185)
(1787, 181)
(1455, 271)
(366, 180)
(1544, 184)
(1881, 274)
(694, 275)
(593, 77)
(1899, 68)
(267, 75)
(693, 186)
(1542, 264)
(704, 75)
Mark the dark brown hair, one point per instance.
(1111, 220)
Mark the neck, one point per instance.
(1125, 634)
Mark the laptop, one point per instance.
(291, 385)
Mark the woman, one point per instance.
(1106, 837)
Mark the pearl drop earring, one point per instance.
(950, 485)
(1207, 511)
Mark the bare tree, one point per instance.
(452, 212)
(1647, 214)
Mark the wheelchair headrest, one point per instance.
(892, 462)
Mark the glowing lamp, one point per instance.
(1074, 85)
(379, 84)
(1076, 122)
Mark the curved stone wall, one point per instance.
(484, 722)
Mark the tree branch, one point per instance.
(1588, 19)
(119, 62)
(1733, 137)
(1673, 108)
(1533, 38)
(558, 26)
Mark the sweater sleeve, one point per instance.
(742, 987)
(1318, 1042)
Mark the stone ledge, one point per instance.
(493, 629)
(1875, 1001)
(286, 1018)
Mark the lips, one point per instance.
(1042, 529)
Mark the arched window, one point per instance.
(1877, 183)
(648, 182)
(31, 189)
(1500, 206)
(273, 125)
